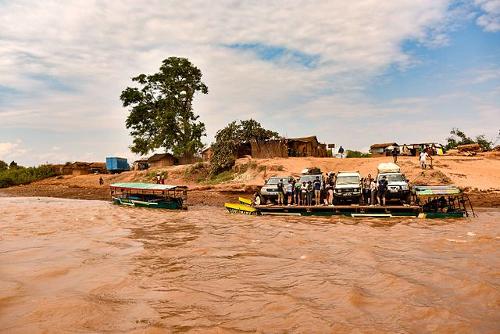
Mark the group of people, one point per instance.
(320, 191)
(160, 178)
(373, 192)
(425, 153)
(297, 193)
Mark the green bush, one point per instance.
(357, 154)
(20, 175)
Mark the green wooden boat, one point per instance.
(149, 195)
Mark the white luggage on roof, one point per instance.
(388, 167)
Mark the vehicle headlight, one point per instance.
(404, 187)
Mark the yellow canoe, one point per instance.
(240, 208)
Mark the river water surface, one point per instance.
(89, 266)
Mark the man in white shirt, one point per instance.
(423, 159)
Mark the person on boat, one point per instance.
(289, 193)
(162, 178)
(423, 159)
(341, 152)
(101, 181)
(317, 191)
(395, 153)
(158, 178)
(366, 189)
(280, 192)
(298, 193)
(329, 191)
(303, 193)
(310, 191)
(373, 191)
(293, 182)
(382, 190)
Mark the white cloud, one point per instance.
(70, 60)
(11, 150)
(490, 19)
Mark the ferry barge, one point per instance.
(428, 202)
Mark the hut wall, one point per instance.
(269, 149)
(164, 162)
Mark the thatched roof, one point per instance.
(160, 156)
(383, 145)
(309, 139)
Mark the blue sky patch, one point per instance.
(274, 53)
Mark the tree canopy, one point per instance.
(161, 113)
(458, 137)
(229, 139)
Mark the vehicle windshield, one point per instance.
(276, 180)
(342, 180)
(394, 178)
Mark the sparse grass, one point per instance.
(280, 168)
(245, 167)
(261, 168)
(220, 178)
(14, 176)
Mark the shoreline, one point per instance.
(206, 197)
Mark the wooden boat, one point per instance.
(149, 195)
(444, 201)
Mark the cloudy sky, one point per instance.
(351, 72)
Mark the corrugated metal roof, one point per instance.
(145, 186)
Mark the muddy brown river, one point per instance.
(89, 266)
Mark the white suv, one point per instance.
(347, 187)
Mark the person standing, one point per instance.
(395, 153)
(158, 178)
(303, 190)
(101, 181)
(366, 189)
(310, 191)
(341, 152)
(298, 193)
(317, 191)
(423, 159)
(289, 193)
(373, 191)
(281, 193)
(329, 191)
(382, 190)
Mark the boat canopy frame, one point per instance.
(160, 190)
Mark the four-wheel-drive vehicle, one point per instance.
(269, 191)
(347, 187)
(397, 184)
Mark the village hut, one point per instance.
(305, 147)
(140, 164)
(207, 154)
(161, 160)
(98, 168)
(382, 148)
(77, 168)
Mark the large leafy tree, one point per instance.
(161, 113)
(229, 139)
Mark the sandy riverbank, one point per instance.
(478, 175)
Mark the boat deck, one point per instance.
(351, 210)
